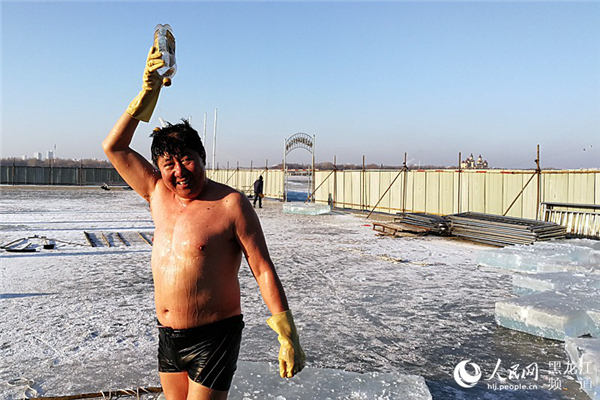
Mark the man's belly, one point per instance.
(187, 298)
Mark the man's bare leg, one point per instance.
(199, 392)
(174, 385)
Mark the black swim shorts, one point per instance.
(207, 353)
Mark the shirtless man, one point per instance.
(201, 230)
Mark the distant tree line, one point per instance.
(58, 162)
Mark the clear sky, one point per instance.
(366, 78)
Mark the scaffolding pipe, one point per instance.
(405, 170)
(231, 176)
(459, 173)
(284, 168)
(521, 192)
(363, 187)
(536, 173)
(214, 143)
(321, 184)
(384, 193)
(313, 166)
(204, 134)
(334, 182)
(539, 188)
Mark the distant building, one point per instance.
(38, 156)
(23, 157)
(50, 155)
(471, 163)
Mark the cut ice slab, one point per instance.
(553, 314)
(306, 208)
(564, 255)
(585, 355)
(258, 380)
(563, 281)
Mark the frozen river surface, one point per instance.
(80, 319)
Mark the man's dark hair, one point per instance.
(174, 139)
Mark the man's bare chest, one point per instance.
(192, 230)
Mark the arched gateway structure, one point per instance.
(299, 140)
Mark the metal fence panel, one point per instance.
(597, 188)
(477, 191)
(375, 189)
(464, 192)
(556, 188)
(24, 175)
(581, 189)
(410, 191)
(432, 198)
(512, 183)
(395, 192)
(355, 188)
(419, 190)
(433, 191)
(494, 193)
(447, 193)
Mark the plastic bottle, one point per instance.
(164, 40)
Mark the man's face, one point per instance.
(184, 175)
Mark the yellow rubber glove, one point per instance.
(291, 356)
(143, 105)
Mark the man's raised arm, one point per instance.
(131, 165)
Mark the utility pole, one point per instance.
(215, 141)
(204, 134)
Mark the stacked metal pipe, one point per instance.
(503, 231)
(433, 223)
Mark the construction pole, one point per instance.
(363, 186)
(214, 142)
(314, 177)
(459, 173)
(539, 183)
(204, 134)
(334, 182)
(405, 170)
(283, 166)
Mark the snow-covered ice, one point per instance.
(373, 312)
(306, 208)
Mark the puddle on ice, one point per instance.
(358, 308)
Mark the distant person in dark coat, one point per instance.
(258, 191)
